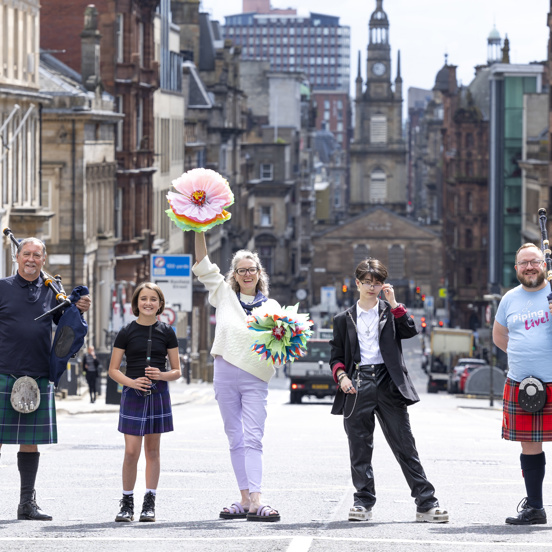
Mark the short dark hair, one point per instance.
(136, 294)
(371, 267)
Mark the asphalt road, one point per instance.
(476, 474)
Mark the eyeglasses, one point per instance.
(535, 263)
(250, 270)
(373, 286)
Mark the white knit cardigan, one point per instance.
(233, 340)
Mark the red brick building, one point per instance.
(129, 72)
(465, 135)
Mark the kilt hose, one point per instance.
(36, 428)
(519, 425)
(141, 415)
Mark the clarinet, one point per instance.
(546, 249)
(52, 282)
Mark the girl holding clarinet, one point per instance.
(145, 402)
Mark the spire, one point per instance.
(506, 51)
(359, 76)
(358, 87)
(398, 67)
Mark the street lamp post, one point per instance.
(492, 298)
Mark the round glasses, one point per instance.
(244, 271)
(535, 263)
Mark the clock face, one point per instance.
(378, 69)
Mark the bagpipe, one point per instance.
(546, 249)
(71, 326)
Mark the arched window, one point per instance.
(378, 186)
(361, 253)
(396, 262)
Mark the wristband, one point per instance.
(341, 376)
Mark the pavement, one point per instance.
(181, 393)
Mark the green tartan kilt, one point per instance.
(38, 427)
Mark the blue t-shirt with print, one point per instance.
(529, 323)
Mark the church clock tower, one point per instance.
(378, 151)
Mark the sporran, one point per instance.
(25, 395)
(532, 394)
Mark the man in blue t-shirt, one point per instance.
(523, 330)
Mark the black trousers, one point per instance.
(379, 396)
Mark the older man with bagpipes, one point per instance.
(30, 364)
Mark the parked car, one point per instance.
(468, 369)
(458, 370)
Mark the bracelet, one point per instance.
(341, 376)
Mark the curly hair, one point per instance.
(262, 284)
(136, 294)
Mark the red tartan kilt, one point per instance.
(518, 425)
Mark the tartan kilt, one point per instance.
(36, 428)
(519, 425)
(141, 415)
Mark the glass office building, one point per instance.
(509, 83)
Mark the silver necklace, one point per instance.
(368, 329)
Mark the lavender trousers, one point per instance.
(242, 402)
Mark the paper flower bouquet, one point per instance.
(201, 202)
(281, 336)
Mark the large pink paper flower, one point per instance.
(204, 194)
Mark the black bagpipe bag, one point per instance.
(69, 339)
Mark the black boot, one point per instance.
(27, 463)
(527, 515)
(148, 508)
(127, 509)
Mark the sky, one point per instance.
(424, 30)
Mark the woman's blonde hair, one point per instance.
(262, 284)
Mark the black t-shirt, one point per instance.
(133, 338)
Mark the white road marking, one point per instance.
(300, 544)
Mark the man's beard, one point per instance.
(531, 283)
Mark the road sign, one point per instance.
(429, 303)
(172, 273)
(168, 316)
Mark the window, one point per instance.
(266, 215)
(378, 186)
(396, 262)
(119, 127)
(119, 22)
(139, 121)
(266, 254)
(266, 171)
(361, 252)
(378, 129)
(469, 238)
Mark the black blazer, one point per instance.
(346, 349)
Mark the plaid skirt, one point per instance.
(519, 425)
(141, 415)
(36, 428)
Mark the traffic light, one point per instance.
(344, 288)
(424, 324)
(418, 290)
(441, 324)
(423, 297)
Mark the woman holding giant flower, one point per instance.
(240, 376)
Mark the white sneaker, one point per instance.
(360, 513)
(435, 515)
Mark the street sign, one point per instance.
(168, 316)
(443, 293)
(429, 303)
(172, 273)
